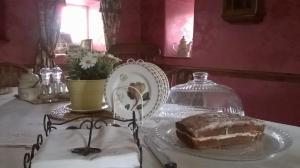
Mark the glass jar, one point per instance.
(205, 94)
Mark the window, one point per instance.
(81, 22)
(179, 23)
(74, 21)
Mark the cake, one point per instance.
(217, 130)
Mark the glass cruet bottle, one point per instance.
(46, 90)
(56, 76)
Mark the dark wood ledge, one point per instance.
(248, 74)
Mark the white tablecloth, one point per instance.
(21, 121)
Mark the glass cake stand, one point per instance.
(203, 93)
(272, 143)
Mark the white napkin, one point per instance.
(116, 143)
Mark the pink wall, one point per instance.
(273, 101)
(130, 27)
(153, 22)
(272, 45)
(22, 30)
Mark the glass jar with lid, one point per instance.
(205, 94)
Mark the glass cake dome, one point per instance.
(205, 94)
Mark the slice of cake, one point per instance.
(216, 130)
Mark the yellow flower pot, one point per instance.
(86, 95)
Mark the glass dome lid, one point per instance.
(206, 94)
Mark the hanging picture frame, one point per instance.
(243, 11)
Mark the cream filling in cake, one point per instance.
(216, 125)
(220, 137)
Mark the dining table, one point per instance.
(21, 122)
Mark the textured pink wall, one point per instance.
(153, 22)
(22, 31)
(130, 27)
(273, 101)
(272, 45)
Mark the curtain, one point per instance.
(50, 18)
(110, 10)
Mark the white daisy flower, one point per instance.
(87, 62)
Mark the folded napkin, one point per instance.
(118, 149)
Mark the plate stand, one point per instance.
(139, 97)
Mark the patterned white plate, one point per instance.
(272, 143)
(163, 81)
(120, 93)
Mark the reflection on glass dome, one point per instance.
(206, 94)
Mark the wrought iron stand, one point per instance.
(94, 122)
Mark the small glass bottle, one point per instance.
(57, 84)
(46, 90)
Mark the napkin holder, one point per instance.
(92, 122)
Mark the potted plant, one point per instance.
(88, 71)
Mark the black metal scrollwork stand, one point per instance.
(88, 149)
(94, 122)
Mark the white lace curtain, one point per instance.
(50, 19)
(110, 10)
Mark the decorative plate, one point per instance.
(121, 91)
(164, 82)
(273, 142)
